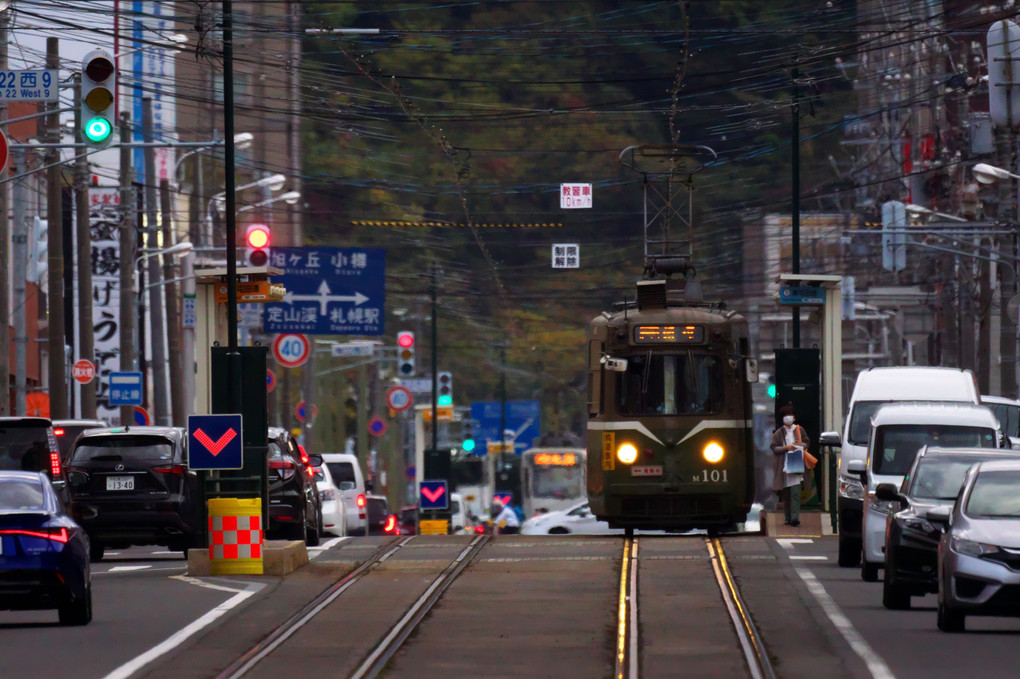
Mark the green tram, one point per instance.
(670, 425)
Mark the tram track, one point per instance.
(627, 660)
(391, 640)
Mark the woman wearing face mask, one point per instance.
(789, 437)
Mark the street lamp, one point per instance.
(178, 249)
(920, 210)
(989, 174)
(290, 198)
(242, 140)
(273, 182)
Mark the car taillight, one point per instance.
(304, 456)
(55, 465)
(57, 431)
(176, 469)
(55, 534)
(479, 529)
(361, 501)
(391, 524)
(311, 471)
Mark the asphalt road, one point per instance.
(527, 606)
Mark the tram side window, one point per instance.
(671, 384)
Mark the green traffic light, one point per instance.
(468, 445)
(98, 130)
(772, 391)
(445, 400)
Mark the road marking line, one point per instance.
(808, 558)
(788, 543)
(182, 635)
(127, 568)
(862, 648)
(316, 552)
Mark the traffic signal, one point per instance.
(256, 241)
(445, 389)
(467, 434)
(98, 74)
(405, 353)
(771, 389)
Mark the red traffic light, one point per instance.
(405, 339)
(257, 236)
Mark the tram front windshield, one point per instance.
(557, 482)
(671, 384)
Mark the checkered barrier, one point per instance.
(235, 536)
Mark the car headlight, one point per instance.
(917, 524)
(971, 548)
(850, 487)
(882, 506)
(626, 453)
(713, 452)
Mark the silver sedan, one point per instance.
(979, 552)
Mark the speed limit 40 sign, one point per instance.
(290, 351)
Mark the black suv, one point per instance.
(132, 486)
(295, 510)
(28, 444)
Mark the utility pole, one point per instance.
(56, 362)
(795, 197)
(19, 241)
(435, 361)
(83, 254)
(5, 307)
(127, 258)
(173, 322)
(160, 390)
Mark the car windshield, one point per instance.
(860, 421)
(455, 506)
(114, 448)
(896, 445)
(940, 478)
(21, 494)
(994, 495)
(24, 447)
(557, 482)
(342, 471)
(671, 384)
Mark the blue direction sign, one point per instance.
(126, 389)
(523, 418)
(801, 294)
(330, 291)
(214, 442)
(434, 495)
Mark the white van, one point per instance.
(898, 432)
(350, 481)
(874, 388)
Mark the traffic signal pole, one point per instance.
(83, 253)
(56, 361)
(160, 379)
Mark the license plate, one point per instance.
(646, 470)
(120, 483)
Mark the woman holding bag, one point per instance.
(789, 473)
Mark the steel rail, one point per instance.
(284, 631)
(755, 655)
(626, 660)
(391, 643)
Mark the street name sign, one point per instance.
(214, 442)
(330, 291)
(352, 349)
(31, 85)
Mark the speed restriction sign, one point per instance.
(398, 398)
(290, 351)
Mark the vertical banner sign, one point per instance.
(104, 221)
(153, 68)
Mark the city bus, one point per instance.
(552, 479)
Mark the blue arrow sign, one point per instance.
(214, 442)
(523, 418)
(330, 291)
(126, 389)
(433, 495)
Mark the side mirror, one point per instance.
(751, 370)
(315, 460)
(939, 515)
(887, 492)
(858, 468)
(829, 439)
(346, 485)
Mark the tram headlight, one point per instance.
(626, 453)
(713, 452)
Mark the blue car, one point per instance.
(44, 554)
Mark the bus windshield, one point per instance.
(557, 482)
(671, 384)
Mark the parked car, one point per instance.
(44, 554)
(912, 542)
(295, 510)
(132, 486)
(67, 431)
(29, 444)
(380, 520)
(979, 551)
(350, 481)
(334, 511)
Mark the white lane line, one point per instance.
(182, 635)
(862, 648)
(795, 557)
(117, 569)
(316, 552)
(788, 543)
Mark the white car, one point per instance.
(577, 519)
(334, 510)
